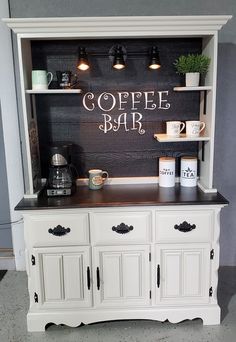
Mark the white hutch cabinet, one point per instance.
(134, 251)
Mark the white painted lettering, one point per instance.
(107, 123)
(137, 117)
(105, 97)
(119, 122)
(166, 105)
(88, 96)
(125, 95)
(147, 101)
(137, 95)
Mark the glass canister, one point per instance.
(167, 172)
(188, 171)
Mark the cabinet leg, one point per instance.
(212, 318)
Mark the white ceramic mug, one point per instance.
(41, 79)
(174, 128)
(194, 128)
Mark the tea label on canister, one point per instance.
(167, 172)
(188, 172)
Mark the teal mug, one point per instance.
(41, 79)
(97, 178)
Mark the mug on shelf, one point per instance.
(41, 79)
(174, 128)
(63, 79)
(97, 178)
(194, 128)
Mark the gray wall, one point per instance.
(5, 229)
(225, 161)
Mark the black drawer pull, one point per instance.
(59, 230)
(122, 228)
(185, 227)
(88, 278)
(98, 279)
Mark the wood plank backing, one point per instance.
(121, 153)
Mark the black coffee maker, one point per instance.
(60, 180)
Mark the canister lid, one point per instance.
(166, 159)
(188, 158)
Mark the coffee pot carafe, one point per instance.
(60, 180)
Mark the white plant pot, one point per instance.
(192, 79)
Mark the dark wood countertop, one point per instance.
(124, 196)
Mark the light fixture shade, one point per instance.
(154, 62)
(118, 61)
(83, 63)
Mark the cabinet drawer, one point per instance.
(57, 230)
(115, 228)
(184, 226)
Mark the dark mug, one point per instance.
(64, 79)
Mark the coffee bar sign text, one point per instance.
(118, 102)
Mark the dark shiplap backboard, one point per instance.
(121, 153)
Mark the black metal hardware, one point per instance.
(33, 260)
(59, 230)
(150, 294)
(158, 276)
(203, 150)
(205, 102)
(31, 107)
(36, 298)
(212, 254)
(185, 227)
(122, 228)
(88, 278)
(150, 257)
(210, 291)
(98, 279)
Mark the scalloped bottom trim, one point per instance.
(38, 321)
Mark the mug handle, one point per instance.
(183, 126)
(106, 174)
(50, 74)
(203, 126)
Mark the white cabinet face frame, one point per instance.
(62, 277)
(121, 276)
(182, 274)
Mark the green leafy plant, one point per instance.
(192, 63)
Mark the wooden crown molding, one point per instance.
(142, 26)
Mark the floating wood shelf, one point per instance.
(54, 91)
(192, 88)
(182, 137)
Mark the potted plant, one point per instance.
(192, 66)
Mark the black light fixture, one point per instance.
(118, 58)
(83, 63)
(118, 55)
(154, 62)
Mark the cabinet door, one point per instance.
(122, 276)
(63, 277)
(182, 273)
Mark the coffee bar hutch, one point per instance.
(131, 250)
